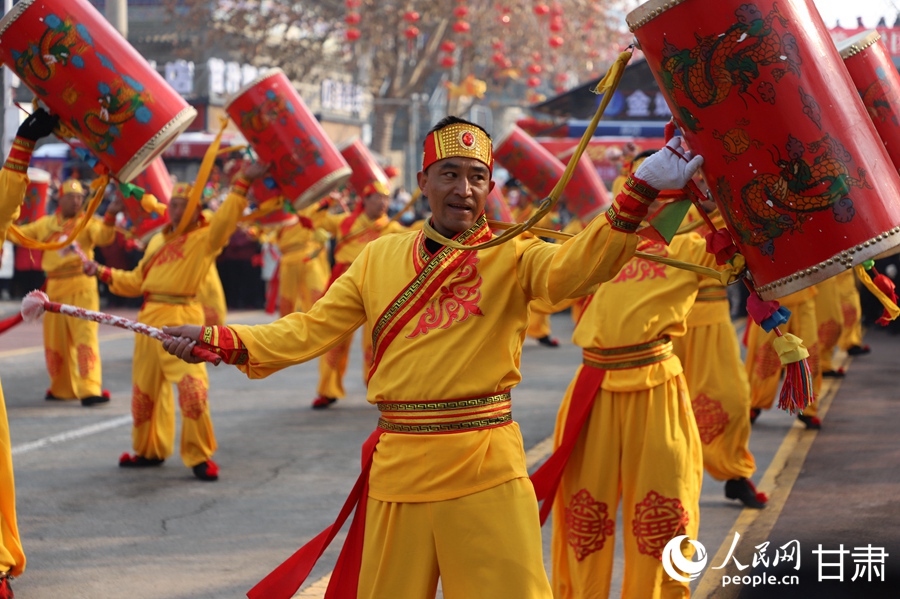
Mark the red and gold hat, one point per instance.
(458, 139)
(181, 190)
(71, 186)
(378, 187)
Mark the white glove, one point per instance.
(670, 168)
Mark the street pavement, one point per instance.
(91, 529)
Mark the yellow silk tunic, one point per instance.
(655, 302)
(12, 558)
(465, 341)
(176, 267)
(363, 231)
(52, 228)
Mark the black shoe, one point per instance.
(834, 374)
(754, 414)
(94, 400)
(743, 490)
(50, 397)
(858, 350)
(548, 341)
(127, 460)
(206, 471)
(322, 402)
(811, 422)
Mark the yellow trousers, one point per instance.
(643, 448)
(538, 323)
(71, 349)
(154, 371)
(720, 395)
(333, 365)
(851, 309)
(763, 366)
(12, 558)
(484, 545)
(211, 296)
(301, 283)
(829, 319)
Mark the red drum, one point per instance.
(496, 207)
(792, 159)
(35, 204)
(146, 218)
(876, 79)
(528, 161)
(586, 195)
(366, 170)
(283, 132)
(69, 55)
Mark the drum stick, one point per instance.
(36, 303)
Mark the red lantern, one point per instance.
(448, 46)
(448, 62)
(498, 45)
(498, 58)
(556, 25)
(533, 81)
(556, 41)
(353, 34)
(410, 16)
(541, 10)
(351, 4)
(411, 32)
(562, 78)
(461, 27)
(460, 11)
(352, 18)
(535, 69)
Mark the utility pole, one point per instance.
(117, 15)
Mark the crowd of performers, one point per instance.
(443, 327)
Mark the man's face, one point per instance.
(375, 205)
(70, 204)
(177, 207)
(457, 189)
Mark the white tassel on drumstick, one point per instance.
(36, 303)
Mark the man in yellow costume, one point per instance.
(851, 340)
(444, 490)
(719, 389)
(764, 367)
(830, 324)
(628, 423)
(352, 233)
(173, 268)
(303, 269)
(13, 183)
(71, 349)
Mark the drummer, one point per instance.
(70, 344)
(453, 514)
(13, 183)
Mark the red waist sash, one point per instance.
(424, 417)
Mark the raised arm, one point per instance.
(225, 219)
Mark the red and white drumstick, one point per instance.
(37, 302)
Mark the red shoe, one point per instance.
(322, 402)
(857, 350)
(206, 471)
(745, 491)
(6, 591)
(812, 423)
(127, 460)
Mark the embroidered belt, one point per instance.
(629, 356)
(162, 298)
(712, 294)
(445, 416)
(65, 273)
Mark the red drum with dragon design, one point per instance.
(104, 92)
(790, 155)
(366, 170)
(306, 165)
(876, 79)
